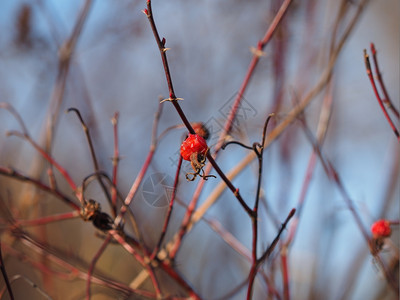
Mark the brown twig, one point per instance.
(5, 276)
(266, 254)
(92, 153)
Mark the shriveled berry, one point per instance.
(201, 130)
(194, 143)
(381, 229)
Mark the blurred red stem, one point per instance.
(169, 212)
(115, 161)
(381, 83)
(93, 263)
(378, 97)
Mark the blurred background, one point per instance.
(116, 67)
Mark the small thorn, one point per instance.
(257, 52)
(171, 99)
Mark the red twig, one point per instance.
(257, 53)
(378, 97)
(18, 176)
(115, 161)
(117, 236)
(169, 212)
(285, 273)
(25, 135)
(48, 219)
(381, 83)
(93, 263)
(71, 272)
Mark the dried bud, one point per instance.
(201, 130)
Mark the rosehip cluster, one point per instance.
(194, 149)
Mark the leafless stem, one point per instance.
(378, 97)
(5, 276)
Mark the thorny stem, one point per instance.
(163, 53)
(172, 98)
(378, 97)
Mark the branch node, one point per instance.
(257, 52)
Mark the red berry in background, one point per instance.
(194, 143)
(381, 229)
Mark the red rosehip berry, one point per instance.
(194, 144)
(381, 229)
(195, 149)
